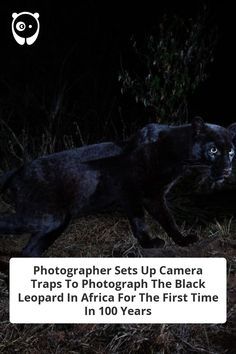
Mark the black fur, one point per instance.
(52, 190)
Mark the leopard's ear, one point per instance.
(198, 125)
(232, 130)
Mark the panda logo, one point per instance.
(25, 27)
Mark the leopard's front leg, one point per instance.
(135, 213)
(158, 209)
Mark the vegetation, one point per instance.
(171, 64)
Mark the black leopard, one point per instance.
(52, 190)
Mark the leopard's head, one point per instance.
(213, 146)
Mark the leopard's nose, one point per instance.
(227, 171)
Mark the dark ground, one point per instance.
(84, 239)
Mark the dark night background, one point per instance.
(81, 44)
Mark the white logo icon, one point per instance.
(25, 27)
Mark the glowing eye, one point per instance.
(213, 150)
(231, 152)
(20, 26)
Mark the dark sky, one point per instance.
(81, 43)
